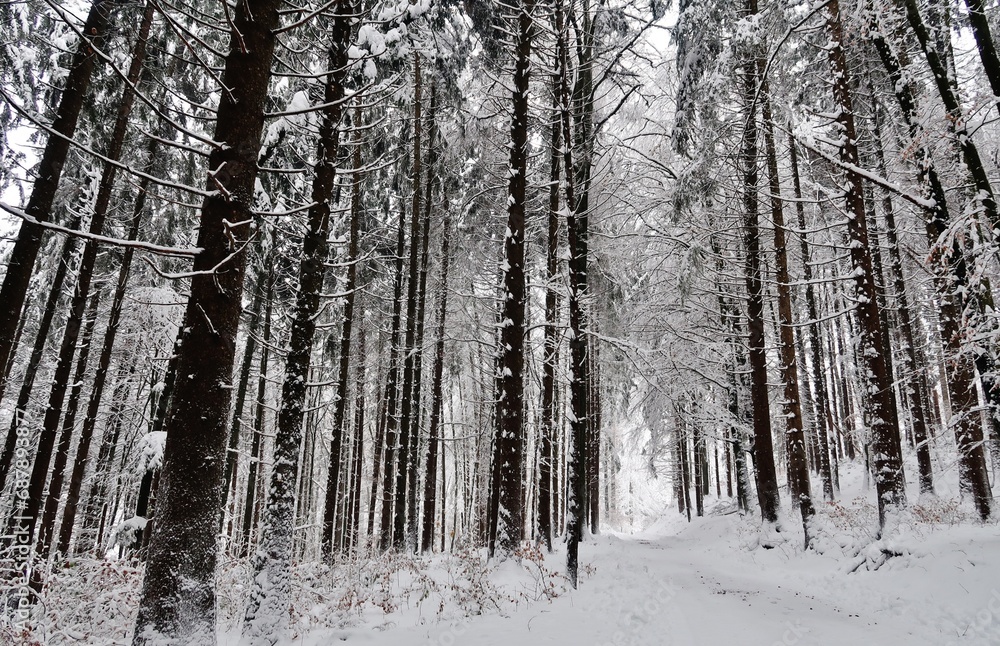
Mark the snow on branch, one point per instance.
(181, 252)
(878, 180)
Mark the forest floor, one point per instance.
(719, 581)
(716, 581)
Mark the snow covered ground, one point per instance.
(696, 586)
(934, 580)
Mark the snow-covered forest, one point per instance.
(486, 321)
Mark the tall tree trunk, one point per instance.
(18, 441)
(576, 477)
(819, 383)
(946, 85)
(100, 377)
(698, 446)
(266, 614)
(550, 347)
(391, 423)
(347, 326)
(378, 455)
(21, 261)
(955, 294)
(250, 500)
(91, 532)
(437, 397)
(767, 478)
(407, 441)
(236, 425)
(984, 41)
(178, 597)
(418, 343)
(885, 443)
(594, 432)
(914, 391)
(795, 446)
(685, 461)
(81, 293)
(359, 446)
(508, 455)
(47, 526)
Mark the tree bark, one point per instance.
(81, 294)
(406, 461)
(885, 443)
(437, 397)
(984, 41)
(21, 261)
(819, 383)
(17, 441)
(266, 614)
(100, 378)
(347, 326)
(955, 294)
(550, 347)
(798, 466)
(508, 455)
(250, 500)
(767, 478)
(47, 526)
(178, 597)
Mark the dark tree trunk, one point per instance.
(955, 293)
(81, 293)
(100, 378)
(437, 398)
(178, 597)
(508, 458)
(378, 455)
(406, 461)
(685, 463)
(418, 343)
(819, 383)
(678, 475)
(236, 426)
(47, 526)
(885, 442)
(340, 403)
(698, 445)
(250, 500)
(17, 441)
(795, 446)
(984, 40)
(576, 477)
(594, 434)
(266, 613)
(21, 261)
(914, 392)
(91, 533)
(729, 316)
(944, 80)
(767, 479)
(354, 531)
(391, 421)
(547, 430)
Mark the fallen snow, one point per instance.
(934, 579)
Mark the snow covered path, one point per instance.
(670, 592)
(705, 584)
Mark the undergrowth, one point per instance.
(95, 602)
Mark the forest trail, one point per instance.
(671, 592)
(706, 584)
